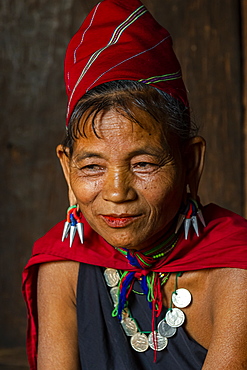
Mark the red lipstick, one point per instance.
(118, 221)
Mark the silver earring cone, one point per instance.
(201, 218)
(187, 224)
(195, 224)
(79, 227)
(72, 235)
(181, 219)
(65, 230)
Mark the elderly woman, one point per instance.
(140, 276)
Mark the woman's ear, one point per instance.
(194, 162)
(63, 155)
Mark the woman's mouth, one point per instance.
(118, 221)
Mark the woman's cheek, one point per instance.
(159, 188)
(85, 189)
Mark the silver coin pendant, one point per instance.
(129, 326)
(139, 342)
(111, 277)
(114, 295)
(181, 298)
(175, 317)
(166, 330)
(156, 341)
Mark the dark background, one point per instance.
(208, 39)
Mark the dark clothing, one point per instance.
(103, 345)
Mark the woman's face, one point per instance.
(130, 181)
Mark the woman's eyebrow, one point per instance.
(155, 152)
(85, 155)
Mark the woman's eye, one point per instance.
(145, 167)
(92, 169)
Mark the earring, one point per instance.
(188, 215)
(72, 224)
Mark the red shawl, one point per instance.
(223, 243)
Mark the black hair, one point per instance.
(123, 96)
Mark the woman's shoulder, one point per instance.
(225, 224)
(214, 211)
(59, 276)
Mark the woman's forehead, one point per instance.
(116, 120)
(116, 132)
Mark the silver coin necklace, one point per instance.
(157, 340)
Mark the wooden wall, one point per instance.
(34, 35)
(244, 90)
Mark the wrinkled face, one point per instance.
(129, 183)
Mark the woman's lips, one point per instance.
(118, 221)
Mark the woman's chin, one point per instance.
(134, 235)
(124, 240)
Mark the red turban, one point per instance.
(120, 40)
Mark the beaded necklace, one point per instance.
(150, 282)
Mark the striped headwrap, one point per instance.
(120, 40)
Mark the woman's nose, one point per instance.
(117, 187)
